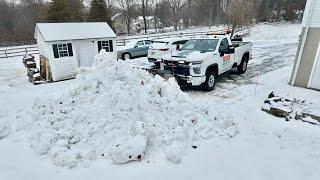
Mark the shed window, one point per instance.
(106, 45)
(62, 50)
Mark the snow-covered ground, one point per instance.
(231, 137)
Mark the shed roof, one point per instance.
(74, 31)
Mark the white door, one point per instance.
(315, 74)
(85, 51)
(226, 58)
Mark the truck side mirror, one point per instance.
(231, 49)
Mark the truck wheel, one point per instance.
(126, 56)
(242, 68)
(211, 77)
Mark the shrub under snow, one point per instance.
(122, 113)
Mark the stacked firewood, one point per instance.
(33, 72)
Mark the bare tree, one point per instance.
(144, 9)
(189, 14)
(239, 12)
(176, 8)
(126, 6)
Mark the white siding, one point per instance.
(315, 73)
(311, 17)
(42, 46)
(315, 19)
(65, 67)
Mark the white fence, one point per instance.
(18, 51)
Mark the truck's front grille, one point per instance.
(176, 68)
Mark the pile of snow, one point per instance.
(122, 113)
(4, 129)
(132, 149)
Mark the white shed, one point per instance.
(306, 71)
(67, 46)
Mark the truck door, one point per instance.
(226, 57)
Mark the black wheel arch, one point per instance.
(124, 53)
(213, 68)
(246, 56)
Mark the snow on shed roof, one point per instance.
(74, 31)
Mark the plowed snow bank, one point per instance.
(112, 102)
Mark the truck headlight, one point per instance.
(197, 70)
(181, 62)
(197, 62)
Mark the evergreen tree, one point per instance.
(76, 9)
(58, 11)
(98, 11)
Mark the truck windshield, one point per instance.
(203, 45)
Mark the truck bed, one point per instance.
(239, 43)
(240, 49)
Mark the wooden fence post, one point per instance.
(5, 53)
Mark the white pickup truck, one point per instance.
(201, 60)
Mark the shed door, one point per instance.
(85, 53)
(315, 79)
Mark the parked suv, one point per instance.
(164, 46)
(135, 48)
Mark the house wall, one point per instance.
(42, 46)
(308, 56)
(308, 46)
(66, 67)
(91, 50)
(314, 81)
(315, 19)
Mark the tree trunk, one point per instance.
(144, 14)
(145, 24)
(128, 25)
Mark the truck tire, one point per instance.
(242, 68)
(126, 56)
(211, 77)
